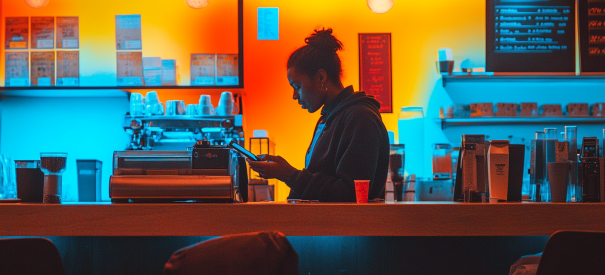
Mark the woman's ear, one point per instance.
(321, 76)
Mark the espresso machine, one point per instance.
(180, 158)
(203, 173)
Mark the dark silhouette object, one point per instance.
(30, 256)
(251, 253)
(573, 252)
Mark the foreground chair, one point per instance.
(251, 253)
(30, 256)
(573, 252)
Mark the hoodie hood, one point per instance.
(346, 98)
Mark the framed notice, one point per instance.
(68, 68)
(68, 32)
(43, 33)
(16, 71)
(227, 69)
(375, 69)
(591, 15)
(16, 33)
(130, 68)
(128, 32)
(203, 69)
(43, 68)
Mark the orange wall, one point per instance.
(418, 29)
(173, 30)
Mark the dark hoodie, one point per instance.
(354, 145)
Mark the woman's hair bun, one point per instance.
(324, 40)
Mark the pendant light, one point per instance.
(36, 4)
(380, 6)
(197, 4)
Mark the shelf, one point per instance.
(79, 92)
(521, 78)
(453, 122)
(50, 88)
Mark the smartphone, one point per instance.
(243, 151)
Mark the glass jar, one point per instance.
(411, 133)
(442, 161)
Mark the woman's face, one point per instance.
(306, 90)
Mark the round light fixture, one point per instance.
(380, 6)
(197, 4)
(36, 4)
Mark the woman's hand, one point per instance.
(275, 167)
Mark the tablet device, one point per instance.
(243, 151)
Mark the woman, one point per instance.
(350, 141)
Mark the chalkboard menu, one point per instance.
(592, 35)
(530, 36)
(375, 68)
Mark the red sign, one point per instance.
(375, 68)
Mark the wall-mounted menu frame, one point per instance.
(375, 68)
(16, 69)
(16, 33)
(43, 68)
(591, 17)
(68, 32)
(43, 32)
(536, 36)
(68, 68)
(175, 79)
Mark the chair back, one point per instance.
(30, 256)
(574, 252)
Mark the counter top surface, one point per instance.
(300, 219)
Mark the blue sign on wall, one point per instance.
(268, 24)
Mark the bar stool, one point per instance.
(30, 256)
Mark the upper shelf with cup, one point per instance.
(162, 45)
(464, 78)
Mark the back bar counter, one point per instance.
(322, 219)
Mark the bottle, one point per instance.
(574, 192)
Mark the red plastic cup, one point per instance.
(361, 190)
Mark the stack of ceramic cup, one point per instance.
(206, 108)
(226, 105)
(137, 106)
(192, 110)
(175, 107)
(153, 106)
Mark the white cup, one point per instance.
(192, 109)
(151, 98)
(226, 105)
(205, 100)
(154, 109)
(206, 110)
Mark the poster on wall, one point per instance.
(16, 33)
(43, 68)
(227, 69)
(16, 69)
(128, 32)
(591, 15)
(68, 32)
(43, 33)
(375, 69)
(68, 68)
(130, 68)
(203, 69)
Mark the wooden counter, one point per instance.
(341, 219)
